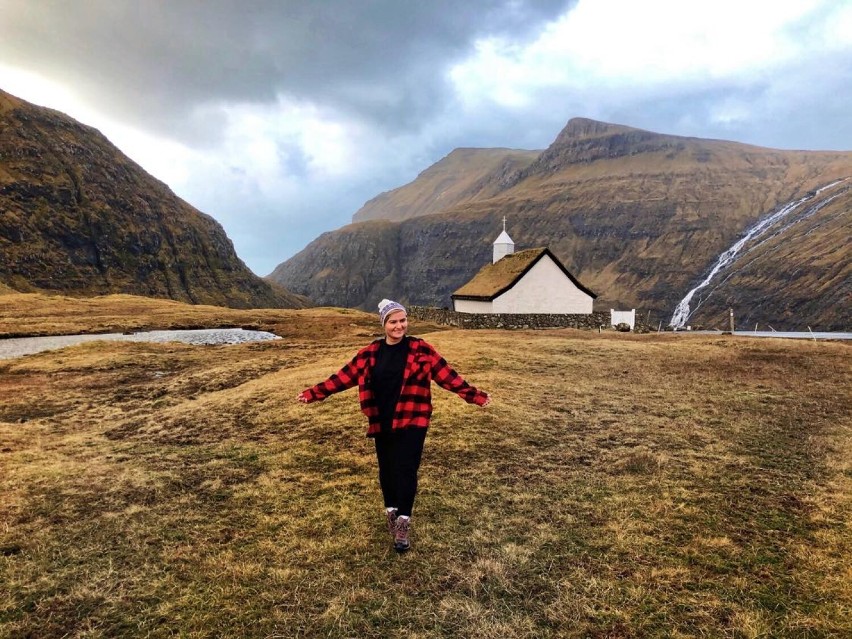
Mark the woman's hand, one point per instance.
(303, 397)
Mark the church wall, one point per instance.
(472, 306)
(543, 289)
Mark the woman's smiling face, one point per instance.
(395, 326)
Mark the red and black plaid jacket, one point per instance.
(414, 408)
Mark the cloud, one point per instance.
(156, 62)
(704, 69)
(281, 118)
(641, 48)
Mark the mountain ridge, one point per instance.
(483, 173)
(637, 216)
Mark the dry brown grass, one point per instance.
(618, 486)
(32, 314)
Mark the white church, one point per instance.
(529, 281)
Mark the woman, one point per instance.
(393, 375)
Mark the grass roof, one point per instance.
(493, 279)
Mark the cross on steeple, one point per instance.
(503, 245)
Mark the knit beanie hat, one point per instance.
(386, 307)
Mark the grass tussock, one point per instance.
(618, 486)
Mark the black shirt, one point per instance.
(387, 379)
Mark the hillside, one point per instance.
(637, 216)
(462, 176)
(792, 277)
(79, 217)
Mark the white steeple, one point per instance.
(503, 245)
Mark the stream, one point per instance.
(19, 346)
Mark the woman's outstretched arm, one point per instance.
(346, 377)
(447, 378)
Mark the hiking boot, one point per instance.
(401, 542)
(391, 515)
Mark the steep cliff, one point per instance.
(360, 262)
(798, 273)
(77, 216)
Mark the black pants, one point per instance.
(399, 455)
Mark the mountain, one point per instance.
(638, 217)
(464, 175)
(79, 217)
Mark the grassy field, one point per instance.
(617, 486)
(32, 315)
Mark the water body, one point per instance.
(682, 311)
(18, 346)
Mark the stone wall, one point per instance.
(509, 321)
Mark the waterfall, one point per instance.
(682, 310)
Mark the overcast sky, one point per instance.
(280, 118)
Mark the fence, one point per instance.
(447, 317)
(623, 317)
